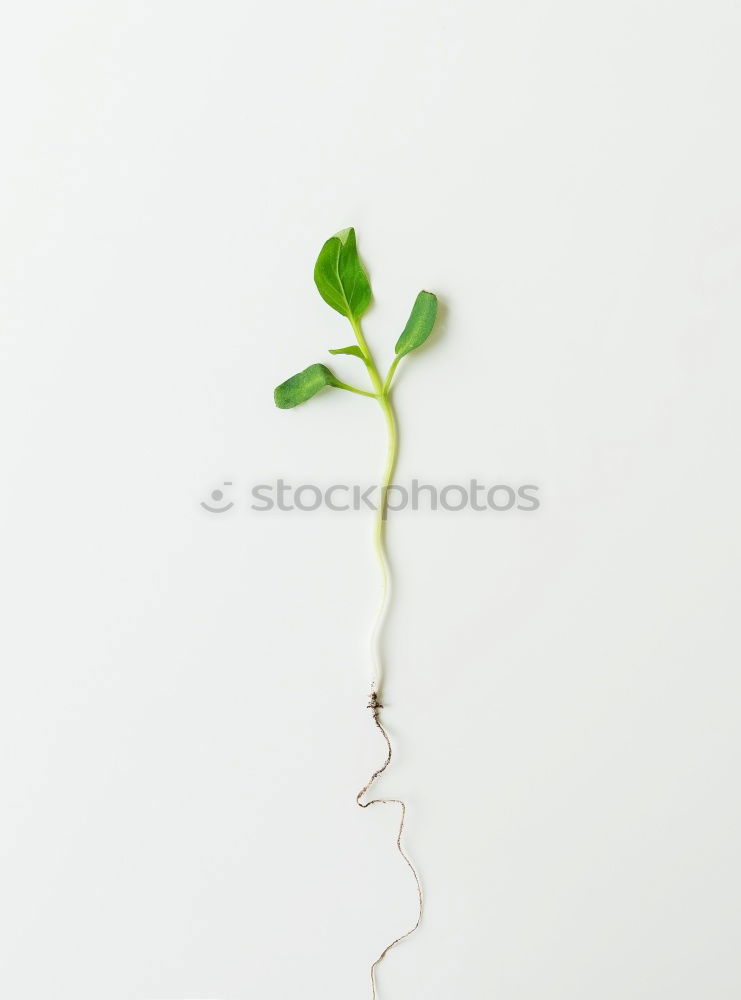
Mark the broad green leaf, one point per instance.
(419, 325)
(303, 386)
(354, 350)
(340, 277)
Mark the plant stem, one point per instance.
(379, 538)
(358, 392)
(370, 364)
(379, 530)
(392, 369)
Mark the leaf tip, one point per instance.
(419, 325)
(279, 398)
(302, 386)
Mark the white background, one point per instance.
(182, 714)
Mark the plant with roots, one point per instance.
(344, 285)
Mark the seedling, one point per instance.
(344, 285)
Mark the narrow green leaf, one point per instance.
(419, 325)
(340, 277)
(354, 350)
(303, 386)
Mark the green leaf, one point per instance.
(303, 386)
(341, 278)
(354, 350)
(419, 325)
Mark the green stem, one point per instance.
(379, 530)
(358, 392)
(379, 533)
(392, 369)
(367, 356)
(388, 472)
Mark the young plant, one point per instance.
(344, 285)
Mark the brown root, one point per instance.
(375, 706)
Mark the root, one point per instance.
(375, 706)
